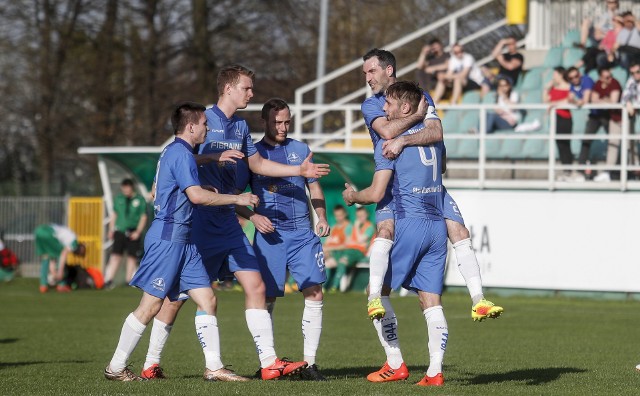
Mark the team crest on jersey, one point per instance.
(272, 188)
(158, 284)
(135, 203)
(293, 157)
(238, 133)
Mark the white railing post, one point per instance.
(297, 119)
(482, 152)
(453, 31)
(552, 148)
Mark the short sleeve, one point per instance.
(370, 111)
(382, 163)
(185, 171)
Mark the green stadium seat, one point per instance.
(489, 98)
(451, 121)
(553, 57)
(492, 148)
(532, 96)
(535, 149)
(571, 56)
(570, 37)
(452, 147)
(471, 97)
(620, 74)
(532, 79)
(467, 149)
(471, 119)
(511, 149)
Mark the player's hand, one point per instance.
(347, 194)
(210, 188)
(391, 149)
(322, 228)
(247, 199)
(310, 170)
(422, 107)
(134, 236)
(262, 223)
(231, 156)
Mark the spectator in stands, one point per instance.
(603, 54)
(557, 93)
(359, 237)
(504, 117)
(631, 101)
(431, 62)
(336, 240)
(597, 26)
(605, 91)
(510, 62)
(462, 75)
(580, 87)
(628, 41)
(126, 225)
(53, 244)
(8, 263)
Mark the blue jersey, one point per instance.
(283, 199)
(175, 172)
(224, 134)
(585, 83)
(417, 179)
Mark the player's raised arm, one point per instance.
(372, 194)
(199, 196)
(228, 155)
(308, 169)
(389, 129)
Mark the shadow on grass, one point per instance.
(20, 364)
(534, 376)
(8, 340)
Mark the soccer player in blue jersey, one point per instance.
(379, 69)
(420, 251)
(217, 233)
(285, 239)
(171, 265)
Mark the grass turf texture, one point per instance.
(60, 343)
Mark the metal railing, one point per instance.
(484, 163)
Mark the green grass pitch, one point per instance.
(57, 344)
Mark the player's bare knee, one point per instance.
(428, 300)
(457, 231)
(313, 293)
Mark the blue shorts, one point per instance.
(168, 269)
(223, 245)
(418, 255)
(450, 209)
(385, 208)
(299, 251)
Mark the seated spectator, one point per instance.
(359, 237)
(462, 75)
(8, 263)
(53, 244)
(557, 93)
(603, 54)
(431, 62)
(580, 87)
(510, 63)
(336, 240)
(597, 26)
(606, 91)
(504, 117)
(628, 41)
(631, 101)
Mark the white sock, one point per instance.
(469, 268)
(131, 332)
(438, 336)
(378, 264)
(159, 335)
(311, 329)
(261, 328)
(209, 337)
(387, 329)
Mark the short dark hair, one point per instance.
(185, 113)
(385, 58)
(231, 75)
(339, 207)
(80, 250)
(276, 104)
(603, 68)
(405, 91)
(127, 182)
(572, 69)
(434, 41)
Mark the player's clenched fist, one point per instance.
(247, 199)
(346, 194)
